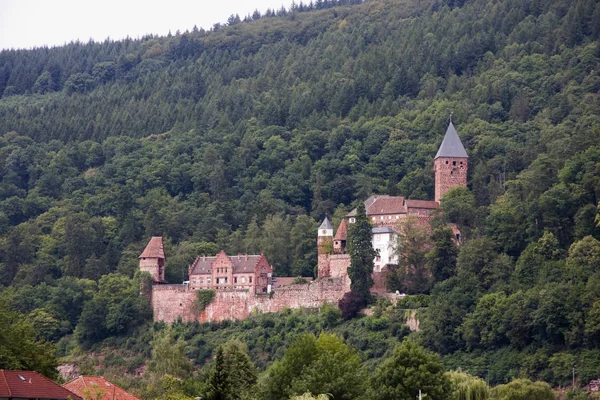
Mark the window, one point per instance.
(352, 220)
(381, 218)
(374, 219)
(390, 217)
(208, 281)
(250, 279)
(226, 269)
(453, 162)
(446, 161)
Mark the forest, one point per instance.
(243, 137)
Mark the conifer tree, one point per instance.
(361, 254)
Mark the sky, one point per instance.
(36, 23)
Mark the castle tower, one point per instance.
(152, 259)
(325, 237)
(450, 164)
(324, 247)
(339, 241)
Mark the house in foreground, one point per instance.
(97, 388)
(30, 385)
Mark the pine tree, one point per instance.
(218, 380)
(361, 254)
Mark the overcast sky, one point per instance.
(35, 23)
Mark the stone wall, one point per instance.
(338, 265)
(172, 301)
(449, 172)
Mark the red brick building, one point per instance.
(252, 272)
(386, 212)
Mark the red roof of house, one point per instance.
(382, 205)
(342, 231)
(31, 385)
(154, 249)
(430, 204)
(98, 386)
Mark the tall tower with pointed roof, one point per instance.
(325, 237)
(450, 164)
(152, 259)
(324, 247)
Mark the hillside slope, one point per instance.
(240, 138)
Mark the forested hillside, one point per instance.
(242, 137)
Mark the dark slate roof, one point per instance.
(451, 145)
(326, 224)
(154, 249)
(385, 229)
(241, 264)
(31, 385)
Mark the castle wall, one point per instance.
(172, 301)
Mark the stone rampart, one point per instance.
(338, 265)
(173, 301)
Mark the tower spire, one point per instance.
(450, 163)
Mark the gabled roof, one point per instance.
(430, 204)
(451, 145)
(326, 224)
(98, 386)
(31, 385)
(154, 249)
(342, 231)
(382, 205)
(242, 263)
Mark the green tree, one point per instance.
(410, 368)
(302, 240)
(233, 375)
(458, 206)
(362, 254)
(522, 389)
(467, 387)
(323, 365)
(168, 355)
(413, 244)
(20, 348)
(275, 243)
(441, 259)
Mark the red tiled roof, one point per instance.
(342, 231)
(387, 205)
(100, 386)
(430, 204)
(241, 264)
(31, 385)
(154, 249)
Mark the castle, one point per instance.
(244, 284)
